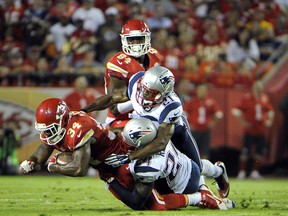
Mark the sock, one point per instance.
(210, 170)
(175, 201)
(194, 199)
(201, 180)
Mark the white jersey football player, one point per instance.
(181, 174)
(152, 96)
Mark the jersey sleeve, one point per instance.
(171, 113)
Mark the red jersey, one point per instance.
(123, 67)
(200, 112)
(81, 127)
(254, 111)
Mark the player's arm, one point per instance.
(79, 164)
(106, 101)
(270, 118)
(135, 198)
(164, 134)
(37, 159)
(118, 85)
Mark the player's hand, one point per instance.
(52, 161)
(26, 166)
(115, 160)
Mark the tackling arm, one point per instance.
(164, 134)
(78, 166)
(106, 101)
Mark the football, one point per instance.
(64, 158)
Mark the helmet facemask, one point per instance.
(136, 43)
(51, 134)
(147, 97)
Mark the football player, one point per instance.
(152, 96)
(136, 55)
(180, 173)
(90, 143)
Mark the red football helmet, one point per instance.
(52, 115)
(135, 38)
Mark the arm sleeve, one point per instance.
(132, 199)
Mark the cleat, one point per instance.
(229, 203)
(255, 175)
(209, 200)
(241, 175)
(222, 181)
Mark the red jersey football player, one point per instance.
(90, 143)
(255, 113)
(136, 55)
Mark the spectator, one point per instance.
(108, 33)
(80, 42)
(81, 96)
(243, 48)
(35, 25)
(61, 31)
(14, 12)
(93, 17)
(203, 114)
(41, 76)
(172, 58)
(90, 66)
(255, 113)
(63, 66)
(169, 8)
(159, 20)
(136, 10)
(192, 70)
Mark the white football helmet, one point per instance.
(139, 132)
(135, 38)
(153, 86)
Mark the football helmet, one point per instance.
(135, 38)
(153, 86)
(139, 132)
(52, 115)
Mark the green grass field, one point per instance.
(59, 195)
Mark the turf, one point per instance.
(59, 195)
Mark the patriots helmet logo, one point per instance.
(166, 79)
(135, 135)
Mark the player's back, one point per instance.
(170, 164)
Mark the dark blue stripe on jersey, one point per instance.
(145, 169)
(132, 81)
(150, 117)
(167, 110)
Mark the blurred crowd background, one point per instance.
(227, 44)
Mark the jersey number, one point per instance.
(173, 167)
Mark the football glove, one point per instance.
(52, 161)
(115, 160)
(26, 166)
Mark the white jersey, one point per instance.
(170, 164)
(169, 111)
